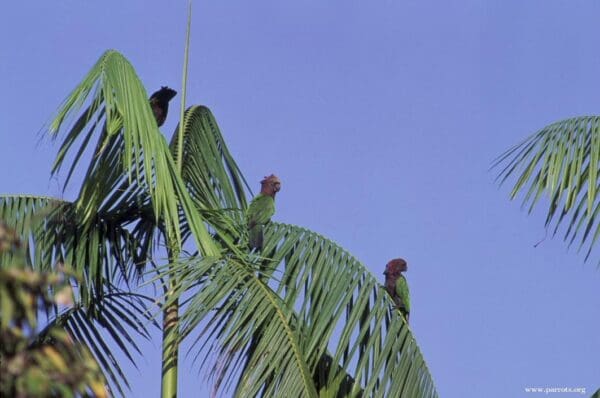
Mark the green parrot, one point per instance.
(261, 210)
(396, 285)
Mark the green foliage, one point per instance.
(210, 174)
(305, 319)
(102, 253)
(34, 364)
(560, 161)
(328, 317)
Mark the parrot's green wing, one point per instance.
(402, 292)
(259, 213)
(261, 210)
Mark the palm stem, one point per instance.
(170, 351)
(171, 312)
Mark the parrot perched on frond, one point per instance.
(159, 101)
(261, 210)
(396, 285)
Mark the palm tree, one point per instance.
(561, 161)
(304, 318)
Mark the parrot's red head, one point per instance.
(270, 185)
(394, 267)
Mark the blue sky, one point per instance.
(382, 120)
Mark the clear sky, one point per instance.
(382, 119)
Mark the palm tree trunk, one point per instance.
(170, 343)
(170, 350)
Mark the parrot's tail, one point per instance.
(255, 238)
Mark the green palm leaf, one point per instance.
(252, 306)
(210, 174)
(108, 323)
(312, 320)
(560, 161)
(54, 233)
(208, 169)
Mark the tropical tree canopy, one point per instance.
(301, 318)
(561, 161)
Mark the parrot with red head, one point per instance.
(261, 210)
(396, 285)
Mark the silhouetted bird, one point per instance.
(159, 101)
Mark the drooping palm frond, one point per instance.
(560, 161)
(311, 321)
(212, 176)
(210, 173)
(131, 160)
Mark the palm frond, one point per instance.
(257, 307)
(105, 250)
(107, 323)
(560, 162)
(313, 302)
(334, 293)
(210, 173)
(208, 169)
